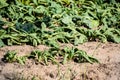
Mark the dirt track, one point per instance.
(109, 68)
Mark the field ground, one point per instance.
(107, 53)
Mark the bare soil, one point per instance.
(108, 69)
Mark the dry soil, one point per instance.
(108, 69)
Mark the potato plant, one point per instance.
(50, 22)
(51, 55)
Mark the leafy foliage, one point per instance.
(3, 3)
(51, 22)
(11, 56)
(51, 55)
(77, 55)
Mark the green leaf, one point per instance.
(1, 43)
(91, 23)
(67, 20)
(2, 33)
(21, 60)
(10, 56)
(113, 35)
(81, 39)
(65, 58)
(82, 56)
(35, 2)
(39, 9)
(3, 3)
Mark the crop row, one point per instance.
(54, 55)
(51, 22)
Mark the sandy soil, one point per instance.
(109, 68)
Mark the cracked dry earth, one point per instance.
(107, 53)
